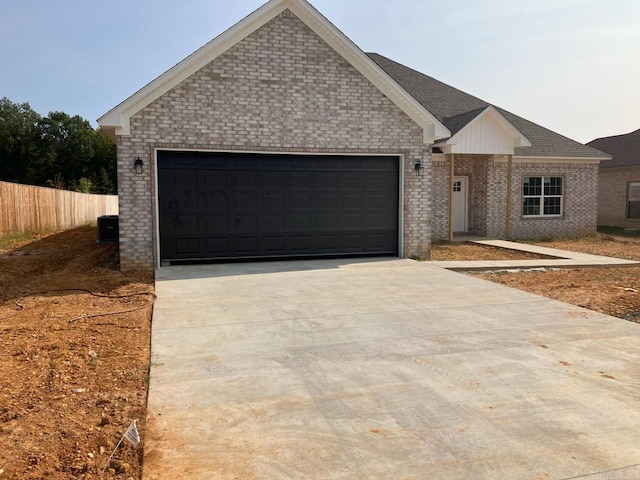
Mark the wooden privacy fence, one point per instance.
(24, 208)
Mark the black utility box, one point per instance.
(108, 230)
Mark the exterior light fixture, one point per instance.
(419, 168)
(137, 165)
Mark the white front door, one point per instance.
(460, 204)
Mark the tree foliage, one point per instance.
(57, 151)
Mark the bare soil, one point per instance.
(613, 291)
(452, 251)
(71, 383)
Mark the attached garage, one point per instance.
(230, 205)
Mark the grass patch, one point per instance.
(623, 232)
(16, 240)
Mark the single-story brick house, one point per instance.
(619, 183)
(281, 138)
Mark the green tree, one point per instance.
(18, 134)
(104, 174)
(65, 148)
(59, 150)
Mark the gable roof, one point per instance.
(456, 109)
(117, 121)
(499, 135)
(625, 149)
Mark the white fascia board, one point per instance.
(525, 159)
(519, 139)
(118, 119)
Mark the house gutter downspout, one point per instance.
(451, 174)
(507, 223)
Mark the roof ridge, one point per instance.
(615, 136)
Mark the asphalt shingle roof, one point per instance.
(625, 149)
(455, 109)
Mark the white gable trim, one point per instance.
(488, 133)
(117, 121)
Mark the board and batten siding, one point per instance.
(25, 208)
(483, 137)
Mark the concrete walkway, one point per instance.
(561, 259)
(383, 370)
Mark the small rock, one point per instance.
(90, 455)
(79, 390)
(120, 467)
(104, 420)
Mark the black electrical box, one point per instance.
(108, 230)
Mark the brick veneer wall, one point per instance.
(580, 201)
(488, 197)
(281, 89)
(440, 198)
(613, 187)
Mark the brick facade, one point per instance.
(613, 187)
(488, 197)
(281, 89)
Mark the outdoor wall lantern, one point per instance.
(419, 168)
(137, 165)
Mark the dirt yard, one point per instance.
(614, 291)
(70, 383)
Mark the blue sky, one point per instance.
(569, 65)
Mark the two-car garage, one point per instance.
(223, 206)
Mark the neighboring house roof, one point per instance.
(625, 149)
(456, 109)
(117, 120)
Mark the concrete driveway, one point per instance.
(384, 369)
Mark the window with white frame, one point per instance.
(542, 197)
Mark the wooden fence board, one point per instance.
(24, 208)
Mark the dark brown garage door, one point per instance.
(230, 205)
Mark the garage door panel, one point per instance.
(326, 182)
(272, 201)
(299, 182)
(243, 179)
(379, 221)
(245, 223)
(245, 245)
(217, 247)
(185, 178)
(325, 221)
(274, 245)
(353, 221)
(217, 201)
(187, 246)
(299, 201)
(300, 244)
(351, 181)
(324, 201)
(350, 201)
(216, 223)
(244, 200)
(299, 222)
(186, 223)
(273, 222)
(225, 205)
(327, 244)
(214, 179)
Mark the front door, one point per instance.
(460, 204)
